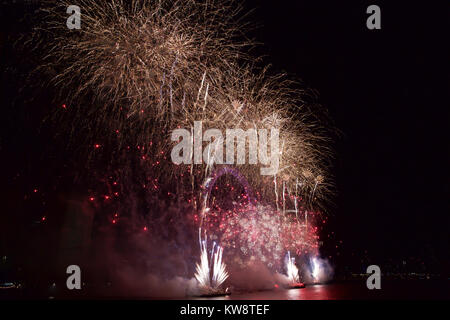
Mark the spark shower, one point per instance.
(129, 80)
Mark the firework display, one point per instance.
(315, 269)
(221, 152)
(138, 70)
(292, 270)
(210, 273)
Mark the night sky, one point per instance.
(385, 89)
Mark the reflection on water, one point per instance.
(422, 289)
(316, 292)
(313, 292)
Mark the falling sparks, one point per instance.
(193, 74)
(261, 232)
(181, 73)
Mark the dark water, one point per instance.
(398, 289)
(350, 290)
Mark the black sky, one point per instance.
(387, 92)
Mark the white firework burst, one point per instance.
(292, 270)
(210, 273)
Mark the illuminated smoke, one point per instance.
(321, 270)
(292, 271)
(315, 266)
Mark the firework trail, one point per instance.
(203, 272)
(219, 272)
